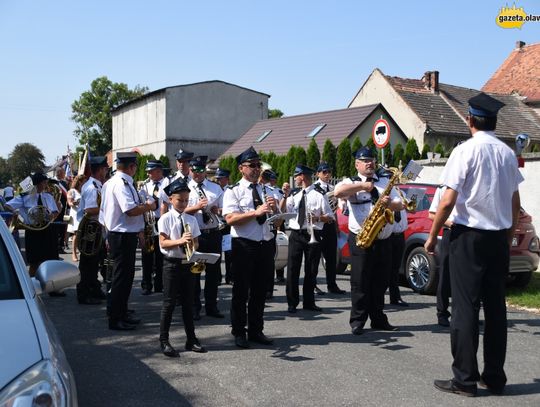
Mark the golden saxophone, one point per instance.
(379, 216)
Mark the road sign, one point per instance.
(381, 133)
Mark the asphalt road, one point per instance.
(315, 359)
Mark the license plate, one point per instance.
(514, 241)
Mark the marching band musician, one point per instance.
(222, 178)
(205, 202)
(40, 245)
(89, 289)
(329, 232)
(152, 262)
(121, 213)
(182, 164)
(313, 211)
(246, 213)
(370, 271)
(177, 277)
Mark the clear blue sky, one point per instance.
(308, 55)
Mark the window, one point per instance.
(263, 136)
(9, 283)
(316, 130)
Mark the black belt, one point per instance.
(124, 233)
(301, 231)
(205, 231)
(176, 260)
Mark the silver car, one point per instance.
(33, 367)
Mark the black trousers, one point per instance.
(89, 286)
(123, 247)
(300, 247)
(41, 245)
(270, 267)
(479, 262)
(249, 284)
(177, 280)
(443, 286)
(152, 265)
(209, 243)
(397, 240)
(370, 274)
(329, 252)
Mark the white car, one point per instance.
(33, 369)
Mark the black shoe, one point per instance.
(241, 341)
(312, 307)
(146, 291)
(399, 302)
(493, 390)
(99, 294)
(214, 313)
(57, 294)
(196, 315)
(128, 319)
(260, 338)
(279, 280)
(89, 301)
(195, 346)
(120, 326)
(168, 350)
(443, 321)
(318, 291)
(158, 290)
(385, 327)
(336, 290)
(359, 330)
(291, 309)
(449, 386)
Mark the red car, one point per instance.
(420, 269)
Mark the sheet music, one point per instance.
(204, 257)
(412, 170)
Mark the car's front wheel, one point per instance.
(421, 271)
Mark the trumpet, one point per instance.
(197, 267)
(310, 228)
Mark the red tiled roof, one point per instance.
(293, 130)
(519, 73)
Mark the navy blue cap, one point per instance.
(272, 175)
(38, 177)
(126, 158)
(182, 155)
(98, 161)
(153, 164)
(302, 169)
(198, 162)
(323, 167)
(222, 173)
(178, 185)
(364, 153)
(483, 105)
(248, 155)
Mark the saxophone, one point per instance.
(378, 217)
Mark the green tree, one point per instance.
(92, 112)
(24, 159)
(141, 164)
(411, 151)
(439, 149)
(329, 154)
(5, 173)
(313, 155)
(426, 149)
(300, 156)
(535, 148)
(398, 155)
(274, 113)
(356, 144)
(343, 160)
(165, 160)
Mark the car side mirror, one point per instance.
(55, 275)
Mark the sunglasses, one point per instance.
(253, 165)
(326, 172)
(198, 170)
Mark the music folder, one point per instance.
(204, 257)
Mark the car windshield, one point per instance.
(10, 288)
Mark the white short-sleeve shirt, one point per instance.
(316, 204)
(213, 193)
(170, 224)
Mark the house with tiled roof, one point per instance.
(519, 75)
(433, 112)
(278, 135)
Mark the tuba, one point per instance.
(90, 233)
(197, 267)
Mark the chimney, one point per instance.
(431, 81)
(520, 45)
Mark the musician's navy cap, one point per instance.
(268, 174)
(222, 173)
(38, 177)
(272, 175)
(364, 153)
(323, 167)
(182, 155)
(302, 169)
(98, 161)
(483, 105)
(175, 187)
(248, 155)
(153, 164)
(126, 158)
(198, 162)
